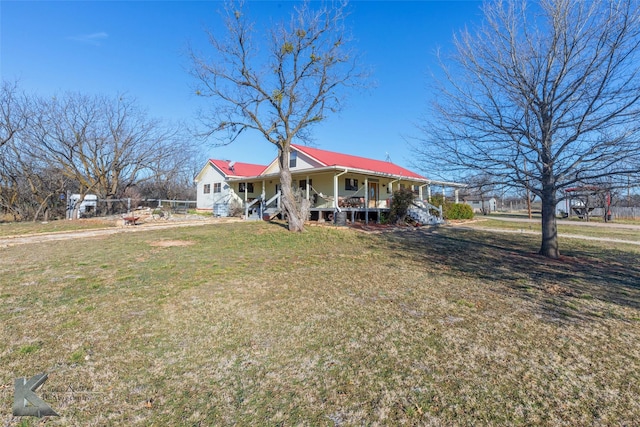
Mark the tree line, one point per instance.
(85, 144)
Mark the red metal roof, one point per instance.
(238, 169)
(330, 158)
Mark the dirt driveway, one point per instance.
(9, 241)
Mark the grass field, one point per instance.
(602, 230)
(248, 324)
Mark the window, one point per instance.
(351, 184)
(293, 159)
(217, 187)
(207, 188)
(302, 184)
(248, 186)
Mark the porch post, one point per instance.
(263, 197)
(456, 192)
(429, 192)
(443, 195)
(366, 200)
(391, 186)
(307, 187)
(335, 191)
(421, 192)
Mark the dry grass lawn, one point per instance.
(248, 324)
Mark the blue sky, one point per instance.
(138, 48)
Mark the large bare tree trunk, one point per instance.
(291, 209)
(43, 206)
(549, 247)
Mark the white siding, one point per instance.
(211, 176)
(303, 162)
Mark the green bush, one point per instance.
(457, 211)
(452, 210)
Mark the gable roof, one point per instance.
(238, 169)
(330, 158)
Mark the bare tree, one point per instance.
(10, 183)
(481, 186)
(40, 185)
(281, 91)
(104, 145)
(13, 119)
(554, 85)
(543, 96)
(28, 188)
(176, 180)
(13, 112)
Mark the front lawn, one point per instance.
(248, 324)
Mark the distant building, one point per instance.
(479, 206)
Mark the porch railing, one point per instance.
(422, 212)
(270, 207)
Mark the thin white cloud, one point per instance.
(93, 39)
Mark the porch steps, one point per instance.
(270, 213)
(267, 214)
(420, 213)
(257, 210)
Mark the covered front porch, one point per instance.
(336, 194)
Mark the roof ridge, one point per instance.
(333, 158)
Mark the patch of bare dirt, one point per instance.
(554, 289)
(170, 243)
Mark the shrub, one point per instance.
(400, 202)
(457, 211)
(452, 210)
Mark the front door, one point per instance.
(373, 195)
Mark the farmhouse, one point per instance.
(334, 183)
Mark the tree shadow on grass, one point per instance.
(584, 272)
